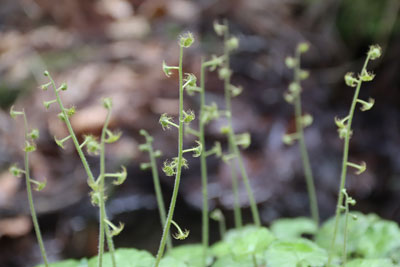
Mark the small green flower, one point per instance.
(15, 171)
(92, 146)
(169, 168)
(29, 147)
(188, 116)
(107, 103)
(290, 62)
(303, 47)
(34, 134)
(63, 87)
(186, 40)
(232, 43)
(350, 79)
(219, 29)
(375, 51)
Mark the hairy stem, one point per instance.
(303, 150)
(344, 161)
(178, 169)
(30, 199)
(157, 188)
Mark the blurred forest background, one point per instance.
(115, 48)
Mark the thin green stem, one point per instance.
(178, 169)
(345, 233)
(303, 149)
(344, 161)
(236, 204)
(30, 199)
(203, 166)
(72, 133)
(222, 227)
(253, 204)
(233, 146)
(110, 244)
(157, 189)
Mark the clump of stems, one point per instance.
(106, 229)
(345, 132)
(231, 43)
(148, 146)
(30, 146)
(293, 96)
(174, 167)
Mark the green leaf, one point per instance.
(370, 263)
(381, 239)
(172, 262)
(192, 255)
(296, 252)
(293, 227)
(356, 230)
(221, 249)
(67, 263)
(243, 242)
(244, 262)
(126, 257)
(369, 237)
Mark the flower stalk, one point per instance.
(345, 132)
(185, 41)
(230, 44)
(293, 96)
(148, 146)
(30, 147)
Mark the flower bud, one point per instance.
(107, 103)
(219, 28)
(303, 47)
(290, 62)
(232, 43)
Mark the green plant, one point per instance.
(345, 132)
(148, 146)
(30, 146)
(207, 113)
(175, 166)
(293, 96)
(367, 241)
(93, 147)
(231, 43)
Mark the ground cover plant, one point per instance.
(347, 239)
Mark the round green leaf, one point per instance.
(296, 252)
(126, 257)
(67, 263)
(192, 255)
(293, 227)
(248, 240)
